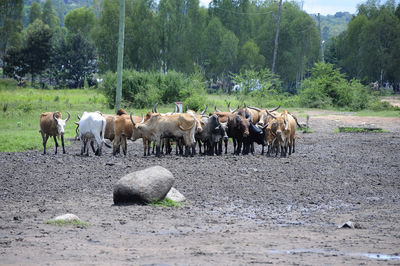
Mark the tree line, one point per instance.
(219, 42)
(227, 37)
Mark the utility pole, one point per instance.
(276, 37)
(120, 63)
(320, 38)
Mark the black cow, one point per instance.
(238, 130)
(211, 135)
(256, 135)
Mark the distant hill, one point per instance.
(333, 25)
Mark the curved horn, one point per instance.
(244, 105)
(186, 108)
(264, 127)
(235, 109)
(270, 113)
(69, 115)
(155, 108)
(276, 108)
(229, 107)
(54, 116)
(142, 119)
(204, 111)
(254, 108)
(79, 118)
(132, 119)
(216, 110)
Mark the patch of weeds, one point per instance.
(165, 203)
(65, 223)
(56, 99)
(305, 130)
(358, 130)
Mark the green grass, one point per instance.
(386, 113)
(165, 203)
(358, 130)
(20, 110)
(66, 223)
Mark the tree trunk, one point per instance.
(276, 38)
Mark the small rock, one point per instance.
(68, 217)
(350, 225)
(175, 195)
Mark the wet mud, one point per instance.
(241, 209)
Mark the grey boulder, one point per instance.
(144, 186)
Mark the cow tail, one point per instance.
(103, 125)
(193, 130)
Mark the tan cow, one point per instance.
(123, 131)
(172, 126)
(52, 125)
(280, 133)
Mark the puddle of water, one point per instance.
(375, 256)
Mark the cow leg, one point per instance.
(187, 150)
(124, 145)
(199, 143)
(116, 143)
(148, 147)
(234, 145)
(55, 140)
(294, 144)
(193, 150)
(239, 146)
(158, 154)
(93, 149)
(62, 143)
(262, 150)
(226, 145)
(45, 137)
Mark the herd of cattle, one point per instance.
(246, 126)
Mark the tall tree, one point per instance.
(10, 24)
(80, 21)
(48, 16)
(35, 12)
(37, 49)
(250, 56)
(106, 36)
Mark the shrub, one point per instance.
(328, 87)
(144, 89)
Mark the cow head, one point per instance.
(60, 122)
(243, 125)
(224, 130)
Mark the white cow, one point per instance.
(91, 128)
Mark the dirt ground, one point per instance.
(241, 209)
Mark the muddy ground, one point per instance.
(240, 209)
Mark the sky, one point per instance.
(325, 7)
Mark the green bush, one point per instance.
(328, 87)
(144, 89)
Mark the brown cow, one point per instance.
(123, 131)
(52, 125)
(172, 126)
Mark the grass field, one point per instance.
(21, 109)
